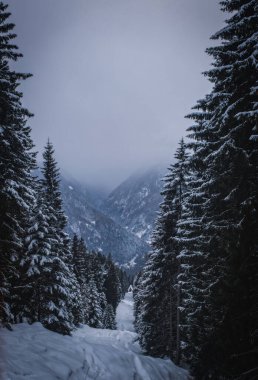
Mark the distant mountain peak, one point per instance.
(99, 231)
(135, 202)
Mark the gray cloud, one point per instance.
(113, 79)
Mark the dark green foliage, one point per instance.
(79, 256)
(225, 141)
(16, 163)
(215, 234)
(112, 284)
(158, 292)
(36, 262)
(48, 261)
(100, 283)
(109, 321)
(125, 281)
(41, 278)
(95, 318)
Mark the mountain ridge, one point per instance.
(99, 231)
(135, 202)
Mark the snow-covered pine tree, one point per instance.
(99, 280)
(137, 300)
(197, 274)
(37, 264)
(225, 141)
(75, 304)
(95, 307)
(124, 281)
(98, 272)
(159, 293)
(149, 322)
(80, 256)
(16, 163)
(109, 319)
(112, 285)
(59, 299)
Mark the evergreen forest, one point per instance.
(196, 295)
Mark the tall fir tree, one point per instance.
(80, 256)
(109, 320)
(60, 294)
(75, 300)
(36, 263)
(112, 285)
(16, 163)
(95, 307)
(160, 293)
(197, 275)
(223, 222)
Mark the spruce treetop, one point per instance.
(51, 184)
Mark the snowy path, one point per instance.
(34, 353)
(124, 314)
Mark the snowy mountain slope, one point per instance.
(98, 230)
(95, 195)
(34, 353)
(134, 203)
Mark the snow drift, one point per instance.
(35, 353)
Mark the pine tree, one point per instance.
(109, 320)
(137, 300)
(75, 300)
(95, 309)
(124, 281)
(60, 292)
(152, 306)
(112, 286)
(79, 253)
(36, 263)
(16, 163)
(222, 262)
(80, 257)
(159, 297)
(197, 274)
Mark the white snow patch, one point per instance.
(140, 233)
(130, 264)
(75, 228)
(124, 314)
(32, 352)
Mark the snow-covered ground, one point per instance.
(124, 314)
(34, 353)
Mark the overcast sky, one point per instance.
(113, 79)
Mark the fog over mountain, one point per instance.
(134, 204)
(113, 80)
(99, 230)
(120, 223)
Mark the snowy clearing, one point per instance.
(35, 353)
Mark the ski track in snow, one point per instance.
(32, 352)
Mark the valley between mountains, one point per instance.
(119, 223)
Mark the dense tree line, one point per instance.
(102, 285)
(43, 277)
(196, 300)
